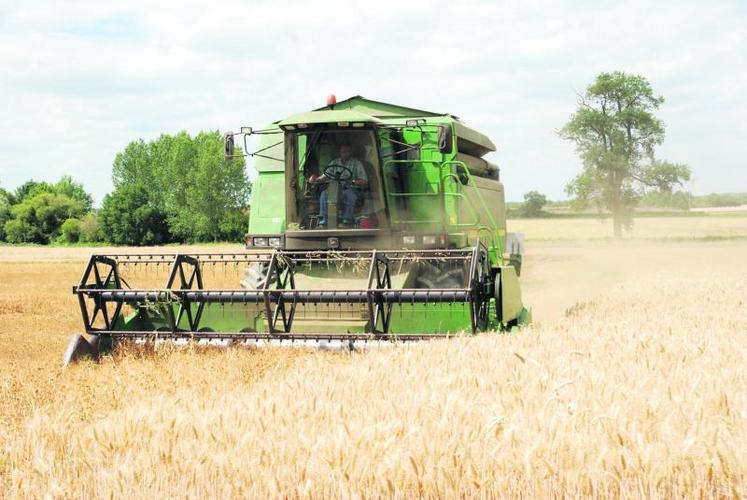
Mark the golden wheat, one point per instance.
(638, 390)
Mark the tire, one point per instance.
(433, 276)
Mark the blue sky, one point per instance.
(81, 81)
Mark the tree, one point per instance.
(234, 224)
(126, 218)
(6, 200)
(21, 231)
(616, 132)
(68, 187)
(39, 219)
(71, 230)
(89, 228)
(534, 201)
(133, 165)
(65, 186)
(31, 188)
(189, 181)
(664, 175)
(215, 189)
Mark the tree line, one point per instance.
(176, 188)
(179, 188)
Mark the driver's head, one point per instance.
(345, 151)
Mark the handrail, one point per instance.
(491, 230)
(439, 191)
(469, 204)
(497, 241)
(469, 181)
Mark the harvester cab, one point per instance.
(371, 223)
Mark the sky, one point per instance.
(80, 80)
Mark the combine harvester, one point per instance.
(371, 223)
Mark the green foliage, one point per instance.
(68, 187)
(720, 200)
(189, 181)
(663, 199)
(127, 218)
(664, 176)
(31, 188)
(21, 231)
(89, 228)
(616, 132)
(215, 190)
(5, 203)
(38, 219)
(233, 225)
(65, 186)
(71, 230)
(133, 165)
(534, 202)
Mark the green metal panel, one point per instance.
(475, 137)
(268, 204)
(328, 116)
(228, 317)
(388, 112)
(432, 318)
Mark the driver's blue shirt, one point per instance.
(355, 166)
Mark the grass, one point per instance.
(637, 389)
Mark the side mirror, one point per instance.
(444, 139)
(228, 146)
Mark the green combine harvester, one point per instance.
(370, 224)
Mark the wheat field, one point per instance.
(632, 382)
(714, 226)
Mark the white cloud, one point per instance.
(80, 82)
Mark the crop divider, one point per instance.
(378, 307)
(98, 266)
(280, 271)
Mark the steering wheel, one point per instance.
(338, 173)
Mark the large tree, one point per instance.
(127, 218)
(187, 179)
(616, 133)
(38, 219)
(215, 189)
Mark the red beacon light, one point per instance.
(331, 100)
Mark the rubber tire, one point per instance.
(432, 276)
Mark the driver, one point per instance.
(351, 174)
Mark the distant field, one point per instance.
(738, 208)
(717, 226)
(631, 382)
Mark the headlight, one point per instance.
(274, 241)
(408, 240)
(260, 242)
(429, 240)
